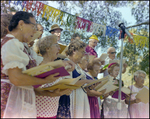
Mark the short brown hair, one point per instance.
(91, 64)
(75, 45)
(46, 42)
(110, 69)
(5, 21)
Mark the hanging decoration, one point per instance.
(70, 19)
(78, 22)
(111, 31)
(28, 5)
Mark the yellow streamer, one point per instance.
(56, 14)
(24, 9)
(61, 16)
(140, 40)
(44, 10)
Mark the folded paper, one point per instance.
(62, 47)
(64, 84)
(117, 61)
(62, 72)
(44, 68)
(103, 56)
(91, 57)
(36, 35)
(143, 95)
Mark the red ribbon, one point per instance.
(129, 39)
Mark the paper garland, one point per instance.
(80, 23)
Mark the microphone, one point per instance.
(123, 28)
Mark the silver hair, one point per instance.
(138, 72)
(45, 42)
(110, 49)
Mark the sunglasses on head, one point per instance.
(112, 52)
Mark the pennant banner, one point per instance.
(80, 23)
(112, 31)
(71, 20)
(83, 23)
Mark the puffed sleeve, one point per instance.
(13, 56)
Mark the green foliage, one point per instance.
(102, 12)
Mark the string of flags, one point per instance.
(79, 23)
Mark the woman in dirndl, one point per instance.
(17, 92)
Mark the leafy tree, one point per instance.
(102, 12)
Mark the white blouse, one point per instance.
(13, 56)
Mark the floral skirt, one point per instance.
(5, 89)
(64, 107)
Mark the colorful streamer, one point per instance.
(79, 23)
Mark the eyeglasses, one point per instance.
(141, 77)
(35, 25)
(113, 52)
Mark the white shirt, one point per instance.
(13, 56)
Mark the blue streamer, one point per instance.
(111, 31)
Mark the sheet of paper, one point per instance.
(103, 57)
(126, 90)
(99, 80)
(118, 61)
(108, 86)
(91, 57)
(65, 83)
(62, 47)
(103, 81)
(61, 86)
(36, 35)
(44, 68)
(143, 95)
(64, 51)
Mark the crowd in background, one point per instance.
(23, 47)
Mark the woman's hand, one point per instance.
(69, 65)
(102, 92)
(82, 82)
(111, 93)
(52, 77)
(94, 85)
(95, 93)
(106, 95)
(137, 100)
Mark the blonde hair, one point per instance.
(46, 42)
(110, 69)
(91, 64)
